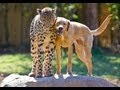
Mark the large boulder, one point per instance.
(15, 80)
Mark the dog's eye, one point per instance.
(63, 23)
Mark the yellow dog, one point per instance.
(69, 33)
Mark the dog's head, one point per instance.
(62, 25)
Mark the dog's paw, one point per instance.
(69, 74)
(57, 73)
(90, 75)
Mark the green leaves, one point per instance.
(69, 10)
(115, 9)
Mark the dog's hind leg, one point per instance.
(88, 61)
(84, 55)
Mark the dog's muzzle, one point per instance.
(59, 30)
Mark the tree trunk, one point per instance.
(92, 18)
(104, 39)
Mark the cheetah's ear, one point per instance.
(38, 10)
(54, 10)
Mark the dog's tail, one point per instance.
(103, 26)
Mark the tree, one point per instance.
(91, 13)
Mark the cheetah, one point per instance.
(42, 37)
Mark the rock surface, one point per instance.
(15, 80)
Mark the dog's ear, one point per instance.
(38, 10)
(68, 24)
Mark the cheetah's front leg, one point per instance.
(39, 61)
(34, 55)
(47, 64)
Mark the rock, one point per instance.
(16, 80)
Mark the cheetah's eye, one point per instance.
(58, 23)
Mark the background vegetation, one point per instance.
(15, 19)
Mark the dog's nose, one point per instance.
(60, 28)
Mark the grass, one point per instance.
(106, 65)
(15, 63)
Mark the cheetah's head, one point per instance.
(47, 15)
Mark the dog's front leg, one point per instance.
(69, 65)
(58, 53)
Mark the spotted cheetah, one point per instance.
(42, 37)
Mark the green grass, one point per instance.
(106, 65)
(15, 63)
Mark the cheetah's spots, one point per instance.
(40, 30)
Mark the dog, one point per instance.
(69, 33)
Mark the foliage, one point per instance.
(115, 9)
(68, 10)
